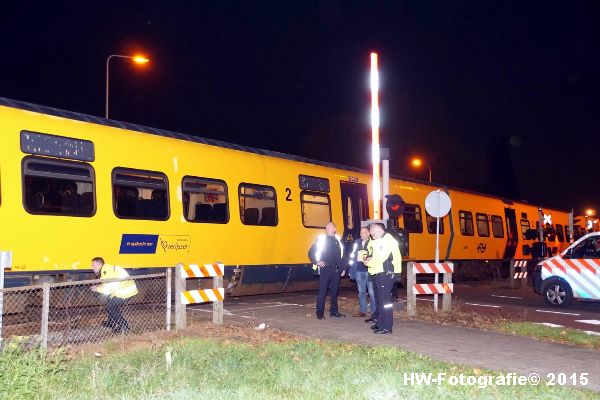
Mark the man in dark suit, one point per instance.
(326, 255)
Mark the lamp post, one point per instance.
(136, 59)
(417, 162)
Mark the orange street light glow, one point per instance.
(140, 59)
(417, 162)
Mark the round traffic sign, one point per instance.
(437, 203)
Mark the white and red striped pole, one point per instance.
(375, 136)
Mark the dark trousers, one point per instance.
(328, 279)
(115, 316)
(385, 303)
(372, 279)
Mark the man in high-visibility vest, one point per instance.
(326, 254)
(383, 261)
(118, 293)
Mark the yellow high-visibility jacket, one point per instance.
(123, 289)
(380, 251)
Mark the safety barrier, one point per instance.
(413, 288)
(518, 273)
(184, 296)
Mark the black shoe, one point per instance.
(374, 327)
(320, 317)
(382, 331)
(370, 319)
(337, 315)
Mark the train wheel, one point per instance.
(557, 293)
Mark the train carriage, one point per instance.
(74, 186)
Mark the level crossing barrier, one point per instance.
(518, 273)
(184, 297)
(413, 288)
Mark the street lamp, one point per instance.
(138, 59)
(417, 162)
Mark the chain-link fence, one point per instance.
(66, 314)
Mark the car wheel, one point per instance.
(557, 293)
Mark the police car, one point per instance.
(574, 273)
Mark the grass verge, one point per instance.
(226, 369)
(562, 335)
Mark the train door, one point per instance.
(512, 234)
(355, 206)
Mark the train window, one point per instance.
(205, 200)
(497, 228)
(483, 226)
(258, 204)
(525, 226)
(560, 233)
(432, 222)
(412, 218)
(140, 194)
(466, 223)
(55, 187)
(316, 209)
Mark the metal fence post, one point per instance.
(45, 312)
(5, 262)
(217, 305)
(447, 297)
(180, 317)
(511, 275)
(168, 316)
(411, 298)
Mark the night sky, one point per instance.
(500, 97)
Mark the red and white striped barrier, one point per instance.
(216, 295)
(201, 271)
(518, 271)
(434, 288)
(433, 268)
(202, 296)
(445, 289)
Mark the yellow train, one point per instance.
(74, 186)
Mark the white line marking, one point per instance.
(483, 305)
(246, 316)
(225, 312)
(549, 324)
(558, 312)
(261, 308)
(592, 333)
(588, 321)
(507, 297)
